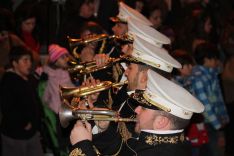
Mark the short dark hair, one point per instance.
(93, 27)
(183, 57)
(205, 50)
(177, 122)
(17, 52)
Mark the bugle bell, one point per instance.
(67, 114)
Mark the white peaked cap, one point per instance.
(171, 97)
(152, 55)
(125, 12)
(146, 32)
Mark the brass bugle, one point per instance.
(83, 91)
(74, 42)
(89, 67)
(67, 114)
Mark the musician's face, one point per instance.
(134, 77)
(120, 29)
(145, 119)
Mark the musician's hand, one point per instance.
(81, 131)
(91, 82)
(101, 59)
(127, 49)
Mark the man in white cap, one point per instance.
(126, 12)
(143, 57)
(121, 25)
(162, 116)
(164, 110)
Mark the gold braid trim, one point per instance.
(155, 140)
(110, 100)
(117, 153)
(123, 130)
(102, 47)
(96, 150)
(115, 73)
(77, 152)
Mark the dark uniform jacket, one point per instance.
(149, 144)
(109, 142)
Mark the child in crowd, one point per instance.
(57, 75)
(20, 107)
(206, 87)
(196, 131)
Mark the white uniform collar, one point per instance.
(162, 131)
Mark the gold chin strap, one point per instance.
(151, 102)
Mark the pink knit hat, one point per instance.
(55, 52)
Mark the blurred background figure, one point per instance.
(104, 10)
(138, 5)
(8, 40)
(76, 14)
(155, 16)
(21, 120)
(26, 26)
(227, 77)
(206, 87)
(196, 132)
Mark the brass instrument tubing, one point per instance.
(115, 119)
